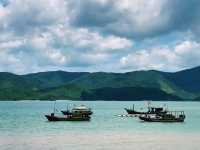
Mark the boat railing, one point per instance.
(176, 113)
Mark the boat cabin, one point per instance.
(156, 109)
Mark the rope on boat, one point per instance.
(127, 115)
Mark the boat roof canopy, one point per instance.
(82, 107)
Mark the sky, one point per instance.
(99, 35)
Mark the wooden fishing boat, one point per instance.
(52, 117)
(75, 115)
(171, 116)
(151, 110)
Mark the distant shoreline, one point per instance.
(103, 100)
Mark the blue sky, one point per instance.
(99, 35)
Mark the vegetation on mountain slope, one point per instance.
(137, 85)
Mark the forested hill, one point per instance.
(136, 85)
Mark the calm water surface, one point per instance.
(23, 126)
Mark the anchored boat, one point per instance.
(77, 114)
(151, 110)
(170, 116)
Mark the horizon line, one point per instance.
(145, 70)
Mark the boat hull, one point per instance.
(66, 118)
(149, 119)
(133, 112)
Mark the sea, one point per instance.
(23, 126)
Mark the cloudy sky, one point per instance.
(99, 35)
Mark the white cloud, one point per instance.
(186, 47)
(183, 55)
(84, 38)
(98, 42)
(56, 56)
(28, 16)
(11, 44)
(143, 16)
(139, 19)
(42, 48)
(113, 42)
(127, 18)
(65, 47)
(93, 35)
(8, 62)
(3, 12)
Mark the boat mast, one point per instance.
(149, 105)
(54, 107)
(67, 107)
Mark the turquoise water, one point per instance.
(23, 126)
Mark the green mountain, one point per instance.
(136, 85)
(188, 80)
(146, 79)
(127, 93)
(52, 78)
